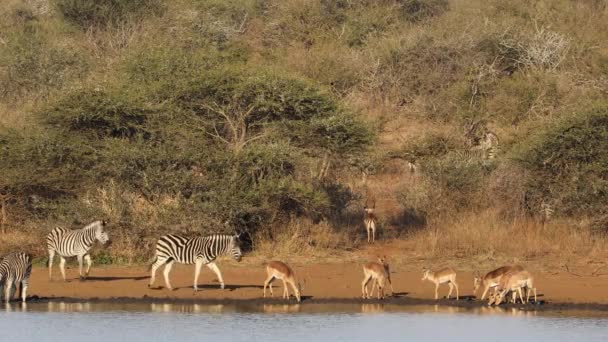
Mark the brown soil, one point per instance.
(321, 282)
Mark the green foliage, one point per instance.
(108, 13)
(569, 162)
(32, 64)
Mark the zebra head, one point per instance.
(235, 247)
(100, 234)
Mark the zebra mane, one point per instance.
(94, 225)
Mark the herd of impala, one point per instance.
(503, 280)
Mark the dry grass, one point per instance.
(484, 238)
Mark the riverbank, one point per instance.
(322, 282)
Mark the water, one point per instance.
(327, 322)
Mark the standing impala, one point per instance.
(370, 221)
(446, 275)
(492, 279)
(280, 270)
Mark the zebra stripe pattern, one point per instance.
(486, 149)
(198, 250)
(69, 243)
(15, 268)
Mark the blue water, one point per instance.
(352, 322)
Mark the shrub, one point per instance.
(569, 164)
(32, 63)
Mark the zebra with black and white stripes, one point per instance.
(15, 268)
(485, 150)
(69, 243)
(202, 250)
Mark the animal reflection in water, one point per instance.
(186, 308)
(281, 308)
(372, 308)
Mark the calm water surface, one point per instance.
(310, 322)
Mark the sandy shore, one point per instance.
(333, 282)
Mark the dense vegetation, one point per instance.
(203, 116)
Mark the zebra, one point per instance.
(69, 243)
(202, 250)
(486, 149)
(15, 268)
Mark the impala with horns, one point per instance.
(370, 221)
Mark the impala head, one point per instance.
(425, 274)
(368, 209)
(235, 247)
(100, 234)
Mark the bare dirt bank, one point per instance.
(323, 283)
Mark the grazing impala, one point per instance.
(446, 275)
(378, 273)
(492, 279)
(370, 221)
(514, 281)
(384, 262)
(280, 270)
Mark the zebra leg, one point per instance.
(87, 258)
(166, 273)
(197, 271)
(62, 267)
(7, 289)
(24, 284)
(158, 263)
(79, 257)
(212, 266)
(51, 256)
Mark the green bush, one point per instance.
(32, 63)
(569, 164)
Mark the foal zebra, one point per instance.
(198, 250)
(15, 268)
(69, 243)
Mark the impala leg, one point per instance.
(483, 295)
(457, 293)
(364, 285)
(436, 291)
(451, 289)
(266, 283)
(212, 266)
(285, 290)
